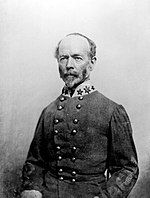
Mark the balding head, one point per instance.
(75, 59)
(91, 49)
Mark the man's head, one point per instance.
(76, 57)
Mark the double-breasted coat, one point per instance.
(76, 141)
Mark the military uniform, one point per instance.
(76, 140)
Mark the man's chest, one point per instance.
(78, 123)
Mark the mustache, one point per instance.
(75, 74)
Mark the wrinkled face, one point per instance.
(74, 61)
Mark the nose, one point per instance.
(70, 63)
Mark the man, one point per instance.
(80, 136)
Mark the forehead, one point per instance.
(74, 45)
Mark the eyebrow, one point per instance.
(73, 55)
(63, 55)
(76, 55)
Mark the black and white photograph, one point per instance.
(74, 99)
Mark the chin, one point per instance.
(72, 83)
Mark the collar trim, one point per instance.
(83, 89)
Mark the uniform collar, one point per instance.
(83, 89)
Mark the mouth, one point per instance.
(70, 74)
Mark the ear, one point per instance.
(93, 62)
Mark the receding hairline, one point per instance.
(92, 46)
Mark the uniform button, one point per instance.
(60, 170)
(78, 106)
(62, 99)
(74, 131)
(61, 178)
(56, 131)
(74, 148)
(80, 97)
(73, 180)
(60, 107)
(59, 157)
(56, 121)
(73, 159)
(58, 148)
(73, 173)
(75, 121)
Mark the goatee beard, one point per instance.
(73, 79)
(70, 81)
(72, 84)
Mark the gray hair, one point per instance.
(92, 45)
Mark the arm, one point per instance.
(35, 164)
(122, 158)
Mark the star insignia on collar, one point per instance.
(92, 87)
(87, 89)
(79, 92)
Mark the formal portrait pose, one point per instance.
(83, 145)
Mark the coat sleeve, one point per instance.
(122, 157)
(35, 164)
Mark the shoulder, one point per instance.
(105, 102)
(51, 107)
(116, 111)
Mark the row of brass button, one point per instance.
(62, 178)
(73, 159)
(73, 148)
(63, 98)
(74, 131)
(73, 173)
(75, 121)
(60, 107)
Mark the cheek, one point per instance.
(83, 68)
(61, 69)
(84, 72)
(61, 72)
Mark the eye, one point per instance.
(78, 58)
(63, 58)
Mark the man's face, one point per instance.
(74, 61)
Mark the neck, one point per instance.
(72, 89)
(76, 85)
